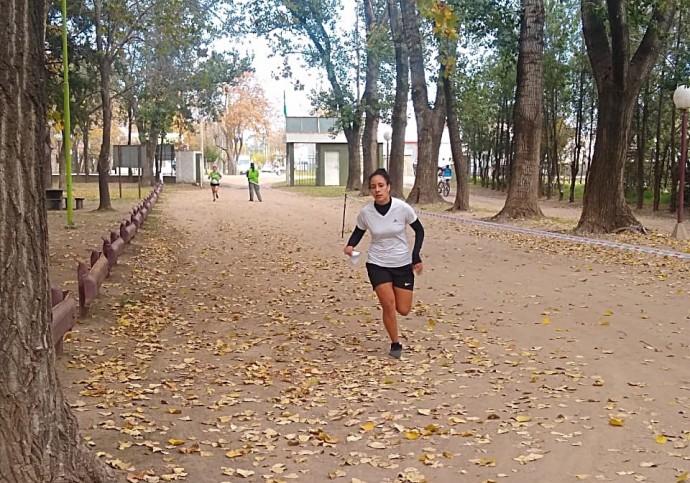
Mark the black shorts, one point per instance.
(401, 277)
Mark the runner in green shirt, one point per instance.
(215, 177)
(253, 178)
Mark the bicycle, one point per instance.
(444, 187)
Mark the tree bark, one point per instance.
(523, 190)
(430, 120)
(462, 193)
(372, 108)
(104, 155)
(396, 162)
(619, 77)
(39, 439)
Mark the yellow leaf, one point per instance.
(546, 321)
(522, 418)
(682, 477)
(582, 476)
(175, 442)
(608, 313)
(661, 439)
(368, 426)
(616, 422)
(431, 323)
(411, 435)
(174, 411)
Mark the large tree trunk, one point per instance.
(39, 439)
(354, 144)
(372, 108)
(605, 179)
(523, 190)
(104, 155)
(428, 119)
(619, 76)
(396, 163)
(462, 193)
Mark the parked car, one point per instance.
(267, 168)
(242, 167)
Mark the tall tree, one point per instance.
(246, 111)
(620, 72)
(40, 440)
(523, 190)
(396, 156)
(430, 120)
(375, 23)
(315, 29)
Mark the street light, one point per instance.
(387, 137)
(681, 98)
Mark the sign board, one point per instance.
(127, 156)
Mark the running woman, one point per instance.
(390, 267)
(215, 177)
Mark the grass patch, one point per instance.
(314, 191)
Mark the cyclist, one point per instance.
(447, 174)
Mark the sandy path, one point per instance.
(520, 354)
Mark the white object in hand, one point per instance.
(354, 257)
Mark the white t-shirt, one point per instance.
(388, 247)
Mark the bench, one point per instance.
(64, 316)
(78, 203)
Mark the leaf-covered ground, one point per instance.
(235, 343)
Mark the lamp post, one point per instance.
(681, 98)
(387, 137)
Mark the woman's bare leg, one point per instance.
(386, 297)
(403, 300)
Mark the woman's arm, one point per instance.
(418, 240)
(355, 238)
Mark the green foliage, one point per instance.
(211, 154)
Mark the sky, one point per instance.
(266, 67)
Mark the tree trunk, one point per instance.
(104, 155)
(619, 77)
(605, 209)
(39, 439)
(396, 163)
(429, 120)
(462, 193)
(523, 191)
(354, 144)
(372, 109)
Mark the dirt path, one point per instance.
(245, 348)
